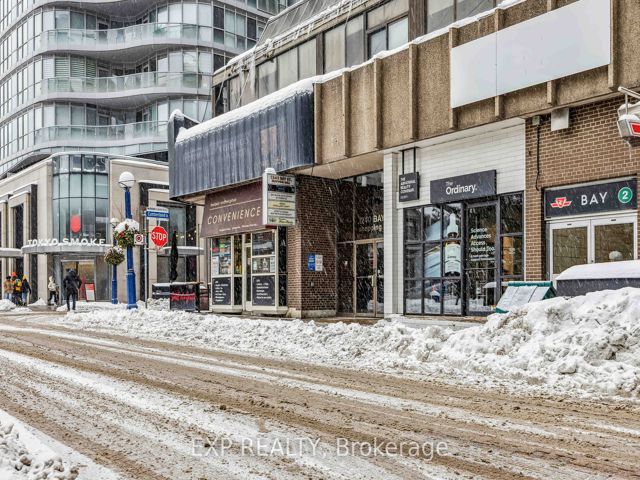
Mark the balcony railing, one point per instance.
(123, 37)
(125, 83)
(74, 133)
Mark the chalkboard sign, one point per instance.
(221, 291)
(264, 291)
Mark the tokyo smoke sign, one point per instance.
(587, 199)
(463, 187)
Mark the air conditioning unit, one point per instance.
(629, 115)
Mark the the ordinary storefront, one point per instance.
(461, 227)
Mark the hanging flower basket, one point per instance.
(114, 256)
(124, 234)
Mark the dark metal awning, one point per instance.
(275, 131)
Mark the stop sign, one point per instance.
(159, 236)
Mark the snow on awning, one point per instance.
(48, 246)
(10, 253)
(275, 131)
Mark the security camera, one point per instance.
(629, 115)
(629, 120)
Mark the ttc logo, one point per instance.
(561, 202)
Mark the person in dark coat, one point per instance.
(71, 284)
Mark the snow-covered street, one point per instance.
(142, 397)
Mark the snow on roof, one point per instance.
(626, 269)
(336, 9)
(303, 86)
(307, 84)
(301, 28)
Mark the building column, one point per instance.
(392, 235)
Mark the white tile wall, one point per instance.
(500, 149)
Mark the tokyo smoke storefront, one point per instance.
(461, 207)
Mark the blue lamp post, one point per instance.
(114, 270)
(127, 181)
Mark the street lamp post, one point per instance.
(114, 268)
(127, 181)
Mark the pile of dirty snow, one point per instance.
(156, 304)
(6, 305)
(39, 303)
(17, 462)
(588, 344)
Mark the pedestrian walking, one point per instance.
(53, 291)
(7, 288)
(17, 289)
(71, 284)
(26, 290)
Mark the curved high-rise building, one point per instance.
(105, 75)
(86, 90)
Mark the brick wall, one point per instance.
(589, 150)
(315, 232)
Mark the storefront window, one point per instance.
(250, 268)
(360, 215)
(221, 256)
(80, 198)
(450, 254)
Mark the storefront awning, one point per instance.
(275, 131)
(55, 247)
(10, 253)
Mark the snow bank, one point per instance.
(6, 305)
(38, 303)
(589, 344)
(18, 461)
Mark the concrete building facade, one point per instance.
(442, 124)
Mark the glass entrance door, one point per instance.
(569, 246)
(369, 278)
(601, 240)
(247, 273)
(86, 272)
(481, 261)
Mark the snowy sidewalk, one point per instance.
(586, 345)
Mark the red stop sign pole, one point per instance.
(159, 236)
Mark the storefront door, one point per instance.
(86, 272)
(369, 278)
(599, 240)
(247, 273)
(481, 258)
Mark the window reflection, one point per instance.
(80, 200)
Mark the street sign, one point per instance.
(159, 236)
(160, 213)
(278, 199)
(138, 239)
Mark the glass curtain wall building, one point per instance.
(360, 36)
(106, 76)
